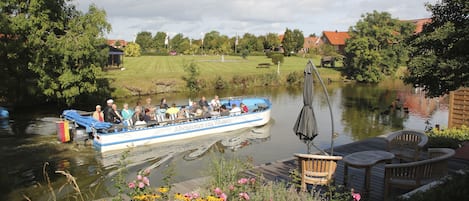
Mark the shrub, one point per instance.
(294, 78)
(276, 57)
(449, 138)
(192, 76)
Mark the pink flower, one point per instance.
(244, 196)
(253, 180)
(146, 172)
(242, 181)
(195, 195)
(223, 196)
(231, 187)
(218, 191)
(139, 177)
(131, 185)
(188, 196)
(356, 196)
(141, 185)
(146, 181)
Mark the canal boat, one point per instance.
(107, 136)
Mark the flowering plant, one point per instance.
(140, 188)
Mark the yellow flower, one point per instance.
(139, 197)
(163, 189)
(155, 196)
(179, 196)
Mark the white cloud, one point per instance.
(190, 17)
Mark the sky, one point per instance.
(193, 18)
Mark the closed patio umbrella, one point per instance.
(306, 127)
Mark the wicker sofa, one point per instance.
(414, 174)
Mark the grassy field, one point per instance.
(153, 74)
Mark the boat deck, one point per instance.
(279, 170)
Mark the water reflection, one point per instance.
(360, 111)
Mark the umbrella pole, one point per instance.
(328, 103)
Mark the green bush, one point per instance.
(276, 57)
(294, 78)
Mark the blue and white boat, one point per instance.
(107, 136)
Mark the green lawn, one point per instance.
(146, 71)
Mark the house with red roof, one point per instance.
(311, 42)
(419, 23)
(336, 39)
(118, 43)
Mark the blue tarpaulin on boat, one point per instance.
(85, 121)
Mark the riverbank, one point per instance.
(164, 74)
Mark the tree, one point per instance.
(158, 42)
(132, 50)
(144, 39)
(272, 41)
(288, 42)
(299, 40)
(376, 47)
(61, 50)
(440, 56)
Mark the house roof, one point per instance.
(310, 42)
(112, 42)
(419, 23)
(336, 37)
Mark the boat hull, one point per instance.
(178, 131)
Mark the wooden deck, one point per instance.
(279, 170)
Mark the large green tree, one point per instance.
(145, 40)
(50, 50)
(271, 41)
(440, 53)
(376, 47)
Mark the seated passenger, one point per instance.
(215, 104)
(151, 107)
(235, 110)
(203, 102)
(206, 112)
(194, 108)
(126, 114)
(224, 111)
(244, 108)
(163, 104)
(138, 117)
(182, 113)
(115, 115)
(98, 114)
(146, 117)
(172, 112)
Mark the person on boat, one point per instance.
(172, 111)
(116, 115)
(126, 113)
(151, 108)
(182, 113)
(224, 111)
(235, 110)
(98, 114)
(244, 108)
(108, 117)
(206, 112)
(146, 117)
(215, 104)
(203, 102)
(138, 117)
(163, 104)
(194, 107)
(139, 106)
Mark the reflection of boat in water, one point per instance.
(189, 149)
(108, 137)
(253, 135)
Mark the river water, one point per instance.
(31, 153)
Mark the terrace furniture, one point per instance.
(414, 174)
(406, 144)
(316, 169)
(263, 65)
(328, 60)
(365, 159)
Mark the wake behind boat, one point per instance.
(108, 136)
